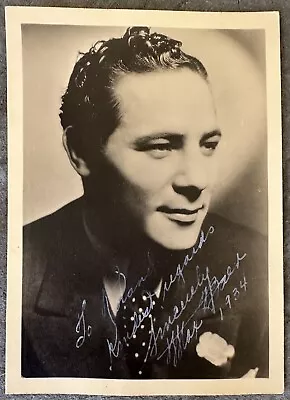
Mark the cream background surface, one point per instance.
(235, 60)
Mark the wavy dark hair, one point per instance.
(89, 105)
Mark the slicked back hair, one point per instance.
(89, 105)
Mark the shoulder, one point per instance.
(245, 250)
(48, 242)
(235, 253)
(232, 231)
(228, 238)
(58, 222)
(53, 233)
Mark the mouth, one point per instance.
(181, 216)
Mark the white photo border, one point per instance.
(269, 22)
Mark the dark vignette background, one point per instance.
(186, 5)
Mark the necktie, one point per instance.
(134, 320)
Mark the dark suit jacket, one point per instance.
(223, 289)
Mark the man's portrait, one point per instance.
(145, 252)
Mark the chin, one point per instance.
(175, 237)
(174, 243)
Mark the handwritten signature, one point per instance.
(82, 328)
(176, 340)
(129, 294)
(167, 340)
(115, 345)
(180, 337)
(180, 267)
(176, 343)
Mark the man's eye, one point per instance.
(210, 146)
(159, 150)
(159, 147)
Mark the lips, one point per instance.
(182, 216)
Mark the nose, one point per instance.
(192, 193)
(192, 176)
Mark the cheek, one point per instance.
(213, 171)
(144, 173)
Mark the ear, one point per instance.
(76, 161)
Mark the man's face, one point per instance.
(163, 150)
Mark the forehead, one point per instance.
(165, 100)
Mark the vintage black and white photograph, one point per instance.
(145, 201)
